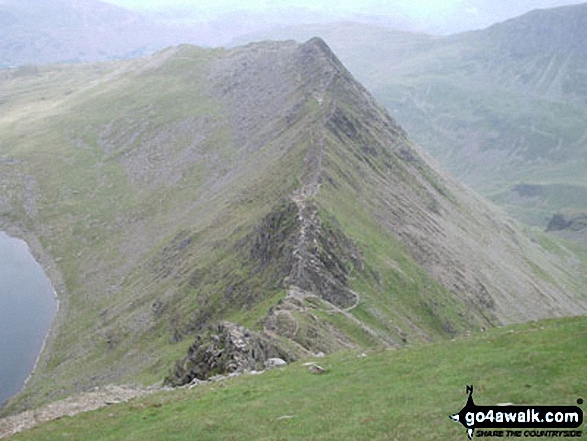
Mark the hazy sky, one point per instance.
(433, 16)
(415, 6)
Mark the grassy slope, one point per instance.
(403, 394)
(115, 231)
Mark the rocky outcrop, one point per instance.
(558, 222)
(567, 221)
(570, 225)
(226, 348)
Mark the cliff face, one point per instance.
(261, 186)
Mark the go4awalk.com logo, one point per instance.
(519, 421)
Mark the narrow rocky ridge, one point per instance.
(309, 277)
(305, 259)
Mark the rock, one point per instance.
(315, 369)
(275, 362)
(195, 382)
(285, 417)
(573, 221)
(217, 378)
(224, 350)
(558, 222)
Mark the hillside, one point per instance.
(33, 32)
(373, 396)
(174, 197)
(502, 108)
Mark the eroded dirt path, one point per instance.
(71, 406)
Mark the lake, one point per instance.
(27, 307)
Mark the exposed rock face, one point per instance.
(312, 256)
(323, 259)
(223, 349)
(574, 221)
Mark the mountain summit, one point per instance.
(502, 108)
(543, 32)
(256, 198)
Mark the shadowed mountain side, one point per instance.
(261, 186)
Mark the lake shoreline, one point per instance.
(49, 266)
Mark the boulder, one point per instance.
(275, 362)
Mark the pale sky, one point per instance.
(415, 6)
(442, 16)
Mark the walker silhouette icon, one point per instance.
(469, 407)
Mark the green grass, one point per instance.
(396, 293)
(403, 394)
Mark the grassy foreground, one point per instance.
(391, 395)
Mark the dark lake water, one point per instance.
(27, 307)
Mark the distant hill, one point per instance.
(478, 14)
(502, 108)
(223, 20)
(37, 32)
(178, 196)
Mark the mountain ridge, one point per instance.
(501, 108)
(262, 186)
(544, 25)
